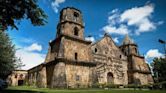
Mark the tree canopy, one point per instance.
(159, 69)
(8, 60)
(12, 11)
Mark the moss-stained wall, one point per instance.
(142, 74)
(77, 75)
(37, 76)
(59, 76)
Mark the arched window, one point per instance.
(76, 14)
(76, 31)
(95, 50)
(120, 56)
(136, 50)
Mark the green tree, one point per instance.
(8, 60)
(11, 11)
(159, 69)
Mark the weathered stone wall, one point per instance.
(48, 56)
(17, 75)
(32, 79)
(109, 59)
(71, 47)
(49, 73)
(42, 79)
(140, 64)
(143, 79)
(68, 29)
(68, 14)
(77, 75)
(37, 76)
(74, 70)
(142, 75)
(58, 79)
(53, 50)
(150, 79)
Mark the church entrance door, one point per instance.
(110, 79)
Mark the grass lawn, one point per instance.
(27, 89)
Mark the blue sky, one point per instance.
(142, 20)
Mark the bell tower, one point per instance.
(128, 46)
(70, 51)
(71, 23)
(138, 69)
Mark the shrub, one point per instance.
(130, 86)
(96, 85)
(112, 85)
(104, 85)
(160, 85)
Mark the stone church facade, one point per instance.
(73, 62)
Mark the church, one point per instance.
(73, 62)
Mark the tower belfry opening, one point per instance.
(76, 31)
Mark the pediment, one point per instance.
(106, 47)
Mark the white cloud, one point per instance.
(114, 17)
(29, 58)
(116, 40)
(55, 4)
(112, 27)
(146, 26)
(121, 30)
(136, 14)
(92, 39)
(34, 47)
(139, 17)
(153, 53)
(137, 20)
(114, 11)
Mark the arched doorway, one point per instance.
(20, 82)
(110, 78)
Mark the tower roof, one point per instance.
(71, 8)
(127, 40)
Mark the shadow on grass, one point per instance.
(19, 91)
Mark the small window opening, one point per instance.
(120, 56)
(76, 55)
(16, 76)
(21, 76)
(95, 50)
(77, 77)
(125, 54)
(122, 50)
(76, 14)
(135, 50)
(76, 31)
